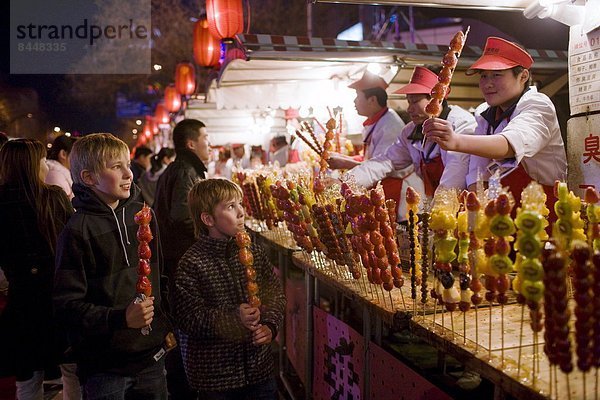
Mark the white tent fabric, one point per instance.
(286, 71)
(251, 126)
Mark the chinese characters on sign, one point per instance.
(583, 145)
(584, 71)
(591, 148)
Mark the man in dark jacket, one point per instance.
(170, 202)
(174, 220)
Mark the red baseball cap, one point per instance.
(421, 82)
(369, 81)
(500, 54)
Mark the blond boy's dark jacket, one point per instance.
(95, 281)
(210, 285)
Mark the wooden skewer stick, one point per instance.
(338, 135)
(311, 131)
(502, 332)
(321, 126)
(308, 143)
(330, 112)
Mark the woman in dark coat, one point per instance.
(32, 215)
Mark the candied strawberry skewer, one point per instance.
(144, 235)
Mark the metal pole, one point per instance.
(309, 18)
(411, 25)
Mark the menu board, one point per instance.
(584, 70)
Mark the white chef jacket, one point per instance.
(403, 153)
(385, 133)
(534, 134)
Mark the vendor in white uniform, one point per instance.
(381, 128)
(382, 125)
(517, 128)
(435, 166)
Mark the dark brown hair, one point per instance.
(20, 166)
(379, 93)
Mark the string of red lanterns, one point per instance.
(225, 19)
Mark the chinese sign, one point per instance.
(584, 70)
(295, 325)
(583, 146)
(339, 353)
(392, 379)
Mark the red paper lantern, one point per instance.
(225, 18)
(172, 99)
(185, 78)
(161, 115)
(207, 48)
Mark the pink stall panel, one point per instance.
(392, 379)
(338, 359)
(295, 328)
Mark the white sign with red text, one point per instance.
(583, 144)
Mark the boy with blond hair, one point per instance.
(224, 341)
(95, 281)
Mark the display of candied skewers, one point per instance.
(355, 234)
(569, 225)
(443, 222)
(593, 217)
(413, 200)
(463, 255)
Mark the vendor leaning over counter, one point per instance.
(381, 128)
(517, 128)
(435, 166)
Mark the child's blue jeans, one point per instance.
(148, 384)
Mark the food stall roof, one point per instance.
(506, 5)
(294, 71)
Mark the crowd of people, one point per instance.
(69, 247)
(75, 308)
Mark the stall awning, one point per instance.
(286, 71)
